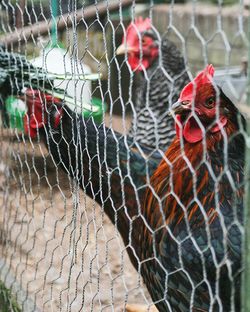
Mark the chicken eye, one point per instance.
(143, 41)
(210, 102)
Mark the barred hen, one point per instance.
(183, 231)
(162, 77)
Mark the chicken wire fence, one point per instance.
(114, 196)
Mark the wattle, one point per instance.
(138, 64)
(191, 130)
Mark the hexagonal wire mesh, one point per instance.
(111, 194)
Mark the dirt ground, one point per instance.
(61, 251)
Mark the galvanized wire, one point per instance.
(59, 251)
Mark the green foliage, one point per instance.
(7, 303)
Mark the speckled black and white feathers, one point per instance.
(159, 88)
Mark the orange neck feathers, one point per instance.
(175, 180)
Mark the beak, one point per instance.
(122, 49)
(176, 106)
(179, 107)
(173, 108)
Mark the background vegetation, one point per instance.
(7, 303)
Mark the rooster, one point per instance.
(162, 77)
(194, 206)
(107, 165)
(181, 216)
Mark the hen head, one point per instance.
(43, 108)
(140, 43)
(202, 108)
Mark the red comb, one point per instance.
(204, 77)
(36, 116)
(143, 24)
(139, 25)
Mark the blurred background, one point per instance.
(58, 250)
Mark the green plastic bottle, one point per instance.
(16, 109)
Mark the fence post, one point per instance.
(245, 307)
